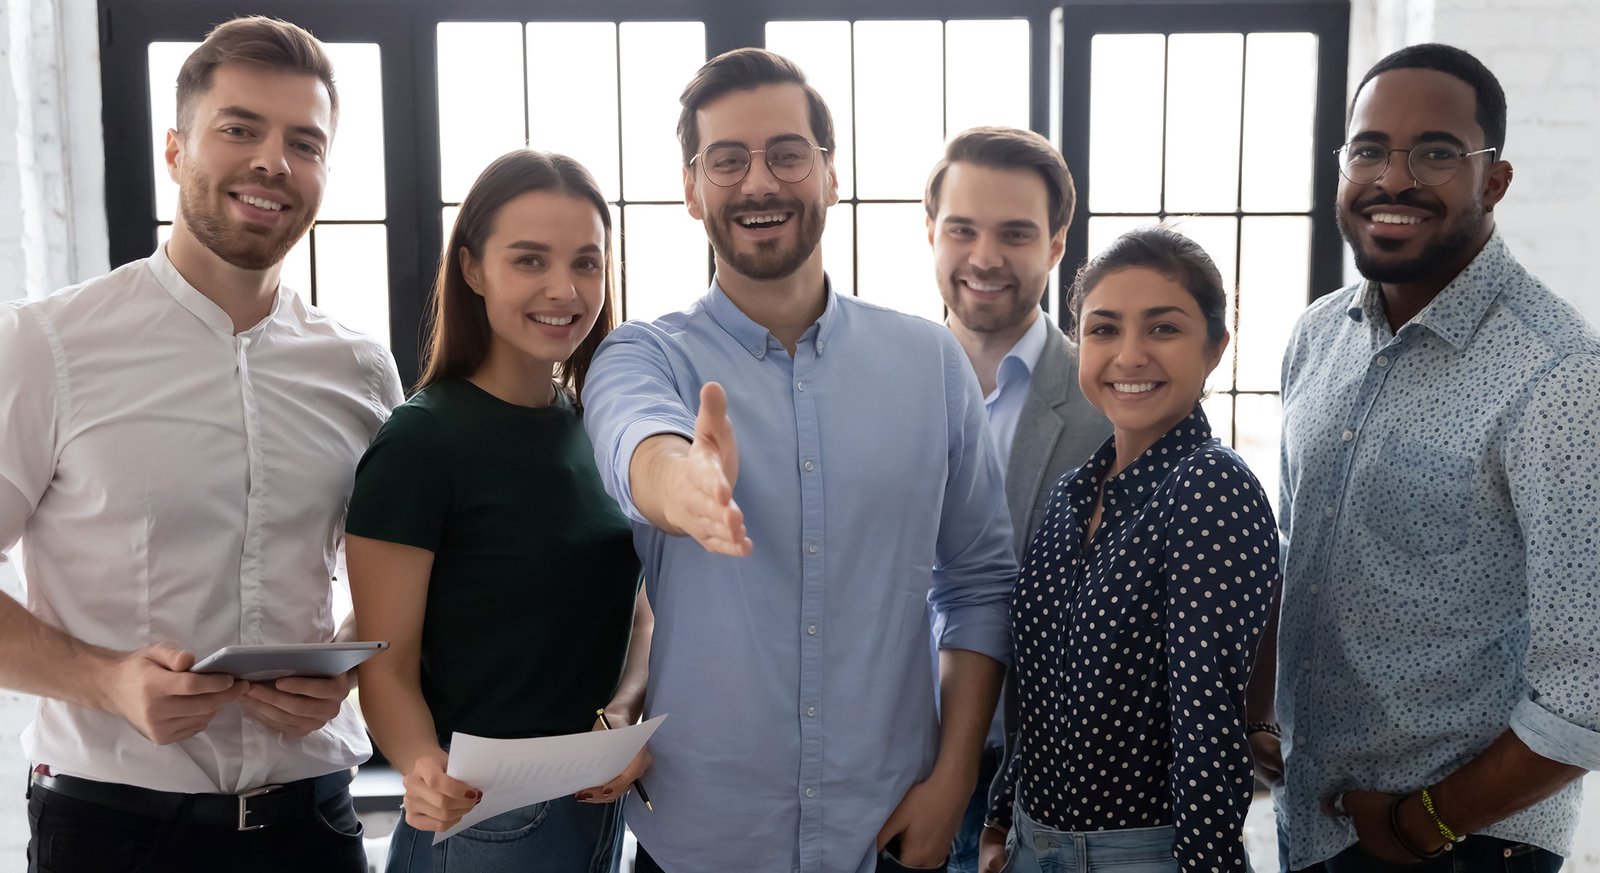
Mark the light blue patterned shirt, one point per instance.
(797, 680)
(1441, 521)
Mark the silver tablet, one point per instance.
(265, 663)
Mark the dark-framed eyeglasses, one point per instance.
(726, 164)
(1430, 163)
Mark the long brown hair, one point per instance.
(458, 325)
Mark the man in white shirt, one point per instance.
(177, 448)
(999, 203)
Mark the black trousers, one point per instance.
(643, 863)
(1476, 854)
(73, 836)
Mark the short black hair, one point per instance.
(1456, 62)
(1164, 250)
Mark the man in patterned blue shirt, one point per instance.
(1438, 681)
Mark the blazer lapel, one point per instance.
(1038, 429)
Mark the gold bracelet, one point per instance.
(1433, 813)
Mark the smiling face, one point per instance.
(1402, 232)
(1143, 354)
(761, 228)
(252, 166)
(992, 252)
(542, 275)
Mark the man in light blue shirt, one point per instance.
(999, 203)
(794, 574)
(1439, 683)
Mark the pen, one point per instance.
(638, 786)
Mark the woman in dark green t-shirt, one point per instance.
(481, 543)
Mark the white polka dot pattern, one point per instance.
(1132, 656)
(1441, 510)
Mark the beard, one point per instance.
(769, 260)
(1440, 255)
(246, 246)
(992, 319)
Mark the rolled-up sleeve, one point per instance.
(975, 566)
(630, 395)
(1554, 478)
(31, 386)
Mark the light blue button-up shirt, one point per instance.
(1011, 382)
(797, 680)
(1441, 518)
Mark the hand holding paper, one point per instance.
(516, 773)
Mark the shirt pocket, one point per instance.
(1421, 497)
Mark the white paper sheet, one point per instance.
(515, 773)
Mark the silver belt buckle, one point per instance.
(244, 805)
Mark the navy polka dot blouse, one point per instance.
(1133, 651)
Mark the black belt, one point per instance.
(248, 810)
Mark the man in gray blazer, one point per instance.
(998, 204)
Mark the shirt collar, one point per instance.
(1453, 315)
(199, 305)
(1139, 479)
(756, 339)
(1031, 345)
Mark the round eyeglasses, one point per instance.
(726, 164)
(1430, 163)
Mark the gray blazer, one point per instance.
(1057, 431)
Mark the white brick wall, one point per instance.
(1546, 53)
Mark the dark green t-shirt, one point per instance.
(530, 602)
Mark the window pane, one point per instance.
(1204, 75)
(822, 49)
(1275, 269)
(899, 107)
(297, 273)
(481, 108)
(667, 260)
(838, 247)
(893, 260)
(165, 60)
(986, 74)
(1260, 419)
(658, 59)
(1219, 237)
(1219, 411)
(353, 276)
(355, 163)
(1280, 101)
(1126, 72)
(576, 115)
(447, 221)
(1104, 229)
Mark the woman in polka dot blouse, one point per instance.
(1142, 596)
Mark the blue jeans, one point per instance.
(964, 851)
(1477, 854)
(557, 836)
(1034, 848)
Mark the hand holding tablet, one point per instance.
(266, 663)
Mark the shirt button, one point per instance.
(1383, 360)
(811, 548)
(1348, 435)
(810, 792)
(1311, 588)
(1327, 512)
(811, 711)
(809, 466)
(811, 629)
(819, 345)
(800, 386)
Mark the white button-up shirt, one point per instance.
(185, 484)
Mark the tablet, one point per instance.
(266, 663)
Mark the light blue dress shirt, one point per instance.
(796, 681)
(1441, 520)
(1011, 383)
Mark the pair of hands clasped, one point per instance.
(154, 691)
(435, 800)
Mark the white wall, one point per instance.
(1546, 52)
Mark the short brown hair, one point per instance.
(258, 40)
(746, 69)
(1009, 148)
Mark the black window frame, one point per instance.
(406, 34)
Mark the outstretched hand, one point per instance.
(700, 499)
